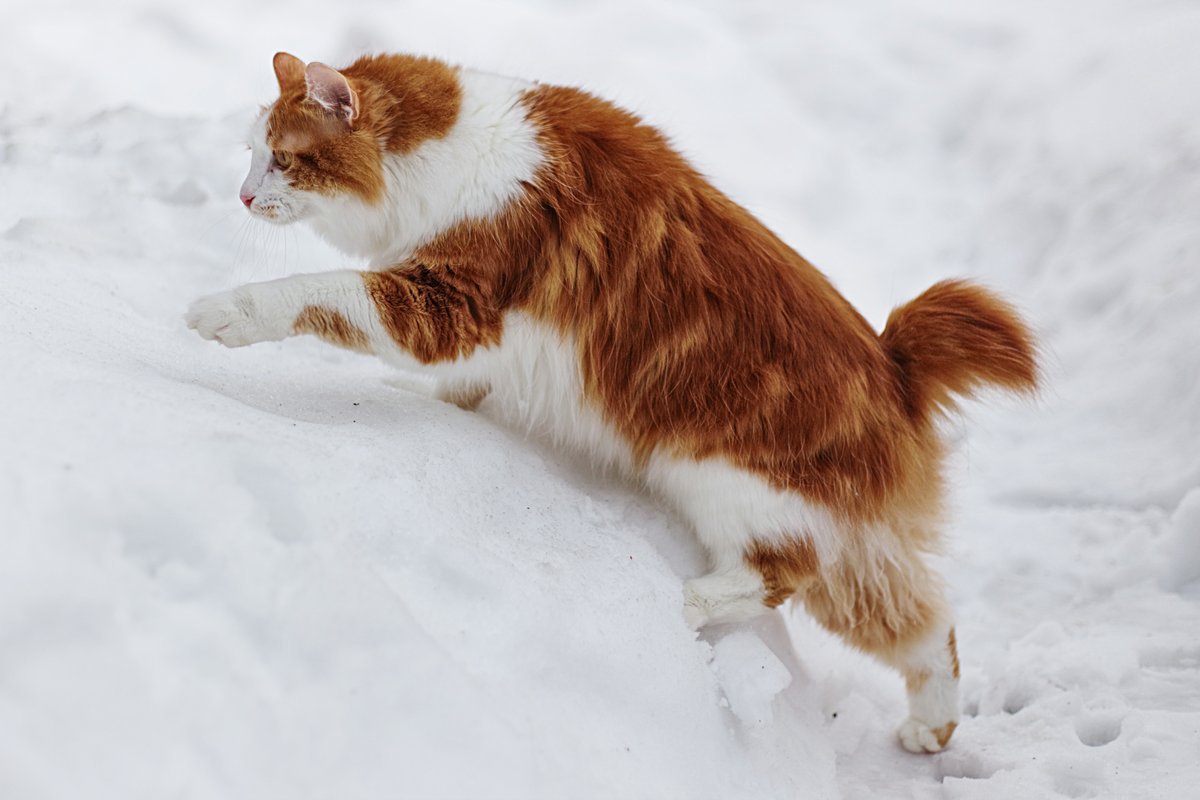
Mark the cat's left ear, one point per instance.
(331, 89)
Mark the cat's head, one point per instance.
(311, 147)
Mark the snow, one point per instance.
(285, 571)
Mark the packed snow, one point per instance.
(287, 572)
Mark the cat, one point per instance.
(542, 246)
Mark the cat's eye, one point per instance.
(282, 158)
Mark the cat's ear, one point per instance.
(289, 71)
(331, 89)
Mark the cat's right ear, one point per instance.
(289, 71)
(332, 91)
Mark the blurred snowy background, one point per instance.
(279, 573)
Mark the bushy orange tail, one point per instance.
(954, 339)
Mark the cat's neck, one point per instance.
(472, 172)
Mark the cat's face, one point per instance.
(310, 150)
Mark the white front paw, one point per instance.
(234, 319)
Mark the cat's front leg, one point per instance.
(423, 314)
(330, 304)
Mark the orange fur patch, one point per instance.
(882, 608)
(331, 326)
(405, 100)
(437, 315)
(783, 567)
(953, 645)
(944, 733)
(914, 681)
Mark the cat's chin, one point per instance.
(276, 215)
(278, 220)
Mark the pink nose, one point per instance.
(247, 199)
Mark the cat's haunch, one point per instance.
(543, 249)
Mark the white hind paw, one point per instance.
(693, 614)
(732, 595)
(917, 737)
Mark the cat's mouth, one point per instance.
(274, 211)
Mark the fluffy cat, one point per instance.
(545, 247)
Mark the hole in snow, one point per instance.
(1096, 730)
(958, 763)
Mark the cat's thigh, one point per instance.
(760, 540)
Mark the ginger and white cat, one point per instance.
(545, 247)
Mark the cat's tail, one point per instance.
(954, 339)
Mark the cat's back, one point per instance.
(632, 203)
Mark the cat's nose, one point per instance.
(247, 199)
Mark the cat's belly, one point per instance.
(536, 386)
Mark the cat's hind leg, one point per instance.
(885, 601)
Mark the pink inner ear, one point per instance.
(331, 89)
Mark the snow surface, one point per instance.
(286, 572)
